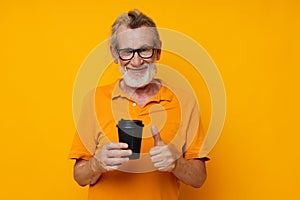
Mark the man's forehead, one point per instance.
(135, 38)
(123, 27)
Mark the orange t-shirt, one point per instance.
(176, 115)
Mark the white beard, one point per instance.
(138, 79)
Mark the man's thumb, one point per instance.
(156, 136)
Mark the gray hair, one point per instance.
(133, 19)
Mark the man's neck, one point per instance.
(142, 94)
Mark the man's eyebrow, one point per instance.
(127, 49)
(142, 47)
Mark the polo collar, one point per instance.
(164, 93)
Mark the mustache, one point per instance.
(139, 76)
(145, 66)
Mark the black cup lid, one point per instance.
(130, 123)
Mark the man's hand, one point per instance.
(111, 156)
(162, 156)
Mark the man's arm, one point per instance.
(85, 172)
(167, 158)
(111, 156)
(191, 172)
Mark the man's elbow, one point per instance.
(199, 182)
(79, 181)
(82, 184)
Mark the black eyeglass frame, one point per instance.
(138, 51)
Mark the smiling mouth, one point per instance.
(137, 69)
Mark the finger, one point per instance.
(118, 153)
(116, 161)
(159, 150)
(116, 145)
(157, 158)
(155, 150)
(159, 165)
(164, 166)
(156, 136)
(111, 168)
(165, 169)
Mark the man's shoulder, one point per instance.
(178, 92)
(106, 89)
(100, 92)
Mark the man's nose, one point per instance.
(136, 61)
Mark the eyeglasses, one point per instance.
(128, 54)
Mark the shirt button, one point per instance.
(133, 104)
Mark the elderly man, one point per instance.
(135, 47)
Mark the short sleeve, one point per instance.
(78, 149)
(87, 130)
(195, 135)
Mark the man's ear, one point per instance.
(158, 51)
(114, 54)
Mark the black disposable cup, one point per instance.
(130, 132)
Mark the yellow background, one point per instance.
(254, 44)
